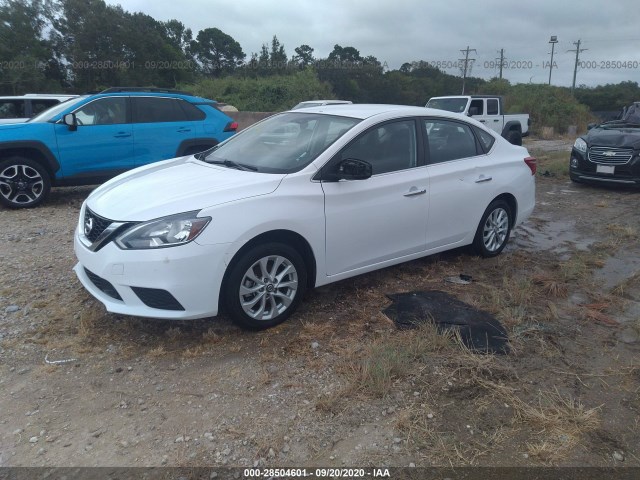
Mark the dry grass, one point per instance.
(555, 164)
(559, 423)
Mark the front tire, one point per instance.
(494, 229)
(24, 183)
(265, 286)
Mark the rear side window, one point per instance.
(492, 106)
(486, 139)
(12, 109)
(157, 110)
(192, 112)
(449, 140)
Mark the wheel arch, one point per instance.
(287, 237)
(512, 126)
(35, 151)
(510, 199)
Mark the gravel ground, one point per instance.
(80, 387)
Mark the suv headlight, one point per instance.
(163, 232)
(580, 145)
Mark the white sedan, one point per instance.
(301, 199)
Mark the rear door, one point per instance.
(160, 125)
(461, 177)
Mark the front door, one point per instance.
(385, 216)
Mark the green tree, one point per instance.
(26, 55)
(303, 57)
(217, 52)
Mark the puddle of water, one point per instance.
(616, 270)
(554, 236)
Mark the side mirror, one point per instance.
(473, 111)
(70, 120)
(591, 125)
(348, 169)
(354, 169)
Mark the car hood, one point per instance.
(176, 186)
(614, 137)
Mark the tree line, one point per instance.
(80, 46)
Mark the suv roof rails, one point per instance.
(143, 89)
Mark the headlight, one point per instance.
(580, 145)
(163, 232)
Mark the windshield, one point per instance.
(456, 105)
(49, 113)
(283, 143)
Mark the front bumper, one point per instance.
(581, 169)
(180, 282)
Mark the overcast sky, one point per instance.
(402, 31)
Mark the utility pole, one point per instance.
(575, 68)
(553, 41)
(501, 61)
(466, 61)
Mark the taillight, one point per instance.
(532, 163)
(231, 127)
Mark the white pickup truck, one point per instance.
(488, 110)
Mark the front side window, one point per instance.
(476, 107)
(104, 111)
(449, 140)
(388, 148)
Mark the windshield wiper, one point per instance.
(203, 155)
(232, 164)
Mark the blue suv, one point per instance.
(89, 139)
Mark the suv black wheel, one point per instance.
(494, 229)
(265, 286)
(24, 183)
(514, 137)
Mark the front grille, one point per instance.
(610, 155)
(94, 225)
(103, 285)
(157, 298)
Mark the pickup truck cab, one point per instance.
(486, 109)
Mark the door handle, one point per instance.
(496, 120)
(184, 130)
(414, 191)
(122, 135)
(482, 121)
(483, 179)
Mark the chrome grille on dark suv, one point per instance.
(610, 155)
(94, 225)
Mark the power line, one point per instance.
(578, 50)
(501, 59)
(466, 61)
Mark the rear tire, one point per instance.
(24, 183)
(494, 229)
(265, 286)
(514, 137)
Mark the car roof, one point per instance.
(363, 110)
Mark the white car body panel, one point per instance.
(351, 227)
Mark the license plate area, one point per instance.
(610, 169)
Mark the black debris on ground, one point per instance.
(479, 330)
